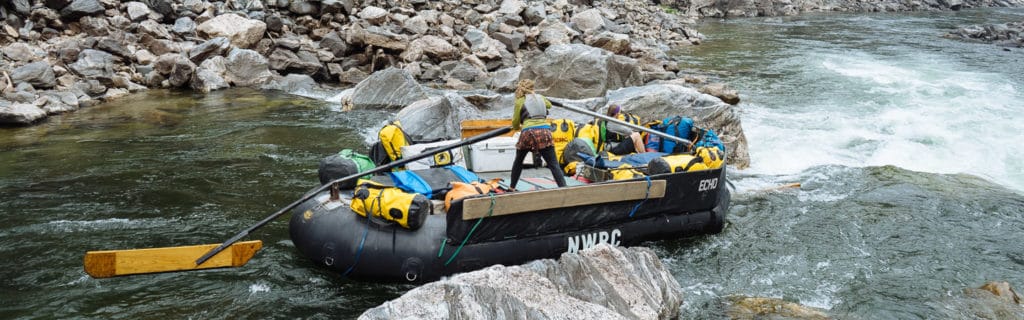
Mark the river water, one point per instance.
(906, 145)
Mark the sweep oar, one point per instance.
(627, 124)
(231, 253)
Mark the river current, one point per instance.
(907, 146)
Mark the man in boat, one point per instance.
(530, 114)
(616, 138)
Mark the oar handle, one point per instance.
(627, 124)
(389, 166)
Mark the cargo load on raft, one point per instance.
(450, 210)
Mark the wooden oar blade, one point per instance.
(110, 263)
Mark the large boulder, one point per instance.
(94, 64)
(604, 282)
(391, 88)
(657, 101)
(20, 113)
(436, 118)
(578, 71)
(243, 32)
(38, 74)
(246, 68)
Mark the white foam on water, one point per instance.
(921, 112)
(259, 288)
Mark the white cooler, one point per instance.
(428, 162)
(494, 154)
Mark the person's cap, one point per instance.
(614, 109)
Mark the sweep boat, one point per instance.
(538, 220)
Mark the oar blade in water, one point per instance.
(111, 263)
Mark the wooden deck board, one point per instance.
(530, 201)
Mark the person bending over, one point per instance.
(530, 114)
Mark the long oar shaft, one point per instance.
(627, 124)
(389, 166)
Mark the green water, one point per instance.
(869, 112)
(168, 169)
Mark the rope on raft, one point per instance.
(647, 195)
(490, 211)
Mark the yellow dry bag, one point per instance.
(675, 163)
(408, 210)
(393, 138)
(712, 156)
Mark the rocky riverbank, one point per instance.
(59, 55)
(762, 8)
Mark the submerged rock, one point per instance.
(770, 308)
(993, 300)
(604, 282)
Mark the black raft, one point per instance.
(509, 228)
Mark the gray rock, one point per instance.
(352, 76)
(213, 47)
(512, 41)
(467, 72)
(589, 20)
(505, 80)
(436, 117)
(535, 13)
(176, 68)
(377, 37)
(22, 52)
(20, 114)
(290, 62)
(154, 29)
(207, 80)
(243, 32)
(94, 26)
(416, 25)
(430, 46)
(246, 68)
(617, 43)
(274, 23)
(80, 8)
(38, 74)
(333, 42)
(158, 46)
(94, 64)
(723, 92)
(137, 11)
(23, 7)
(374, 15)
(511, 7)
(348, 6)
(579, 71)
(604, 282)
(113, 46)
(293, 83)
(184, 26)
(303, 7)
(554, 32)
(390, 88)
(163, 7)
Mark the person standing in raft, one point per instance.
(530, 114)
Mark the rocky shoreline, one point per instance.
(60, 55)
